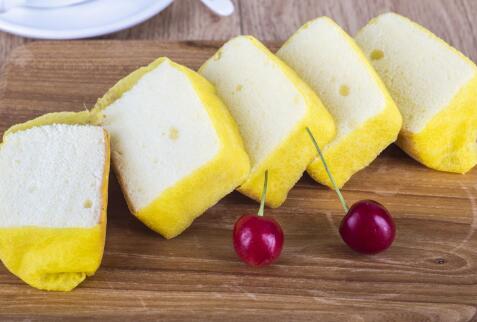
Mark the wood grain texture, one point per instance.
(430, 273)
(7, 43)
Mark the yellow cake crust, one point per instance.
(290, 159)
(56, 259)
(177, 207)
(448, 141)
(357, 149)
(443, 145)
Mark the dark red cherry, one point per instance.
(258, 240)
(368, 227)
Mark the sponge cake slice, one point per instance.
(272, 107)
(433, 85)
(367, 119)
(175, 148)
(53, 196)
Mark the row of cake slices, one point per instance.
(181, 140)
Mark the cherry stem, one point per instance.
(338, 192)
(264, 195)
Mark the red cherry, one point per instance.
(258, 241)
(368, 227)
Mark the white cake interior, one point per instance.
(264, 102)
(422, 73)
(52, 176)
(324, 58)
(160, 133)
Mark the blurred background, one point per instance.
(275, 20)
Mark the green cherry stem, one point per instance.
(264, 195)
(338, 192)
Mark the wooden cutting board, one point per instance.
(430, 273)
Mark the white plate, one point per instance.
(89, 19)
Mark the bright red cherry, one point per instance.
(368, 227)
(258, 241)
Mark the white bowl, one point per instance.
(89, 19)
